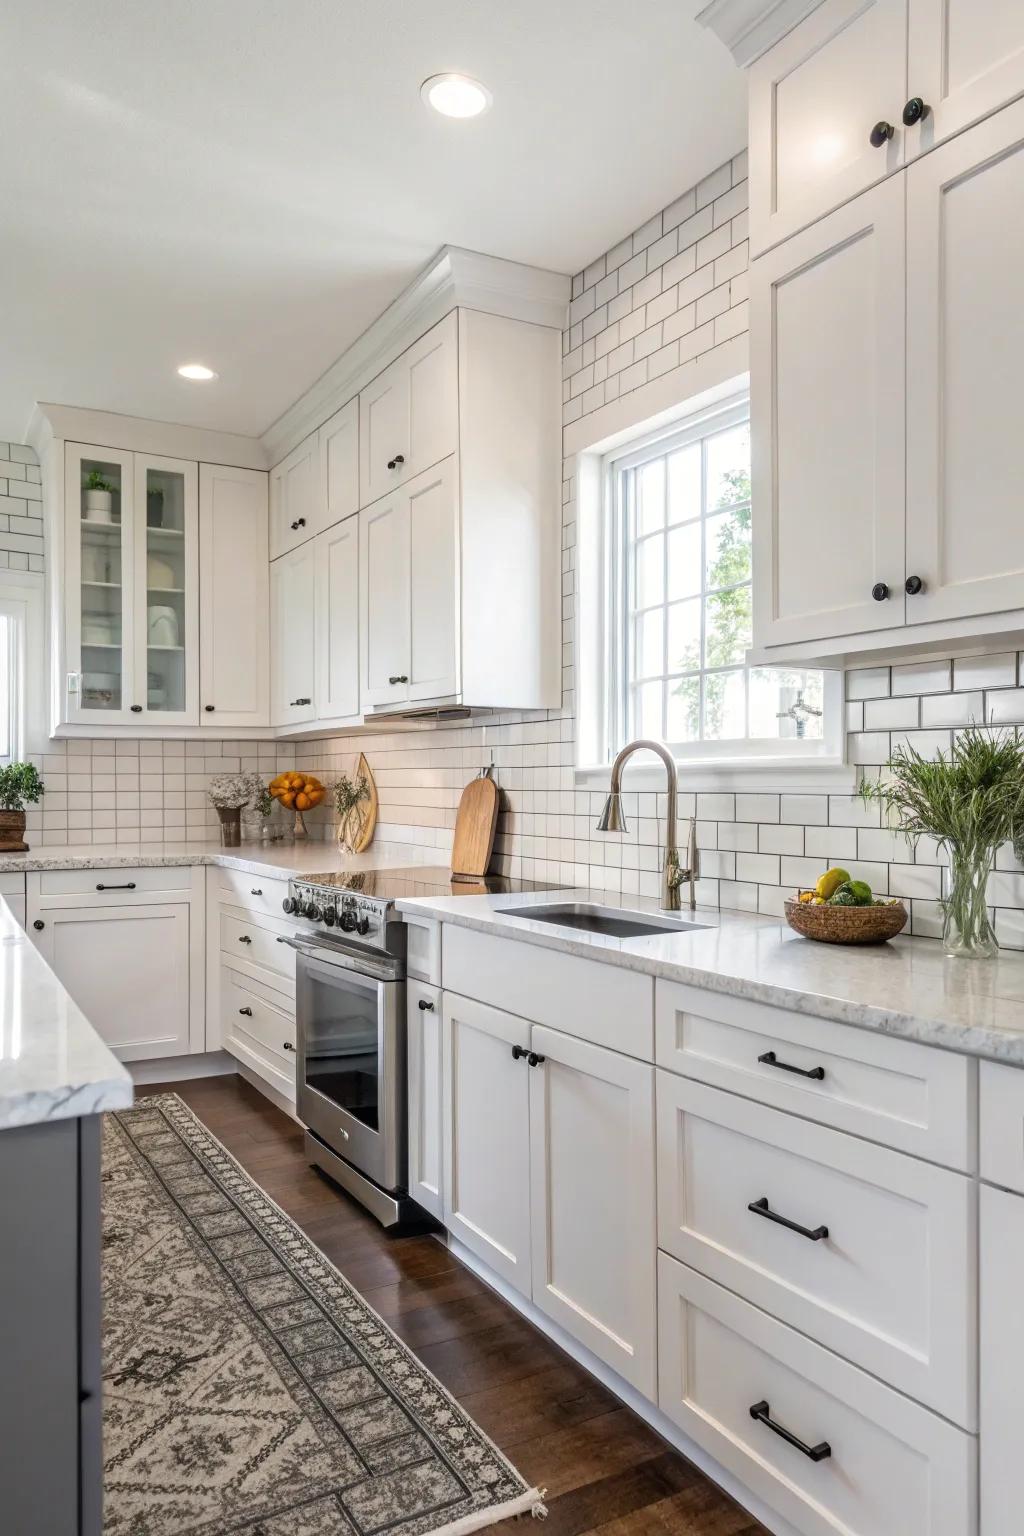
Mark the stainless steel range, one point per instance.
(351, 1024)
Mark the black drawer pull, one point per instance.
(519, 1051)
(426, 1007)
(760, 1208)
(300, 522)
(761, 1411)
(771, 1060)
(255, 891)
(243, 938)
(287, 1046)
(399, 458)
(534, 1060)
(246, 1012)
(129, 887)
(397, 679)
(293, 702)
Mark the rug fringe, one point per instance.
(531, 1502)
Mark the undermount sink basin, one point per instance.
(611, 921)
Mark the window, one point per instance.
(22, 665)
(678, 572)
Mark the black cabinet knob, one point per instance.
(394, 680)
(914, 111)
(208, 708)
(535, 1060)
(293, 702)
(426, 1007)
(246, 1012)
(39, 925)
(300, 522)
(399, 458)
(243, 938)
(914, 586)
(286, 1045)
(881, 133)
(256, 891)
(880, 591)
(136, 709)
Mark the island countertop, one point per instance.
(906, 988)
(53, 1064)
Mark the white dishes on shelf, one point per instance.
(163, 625)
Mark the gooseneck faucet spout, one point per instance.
(613, 820)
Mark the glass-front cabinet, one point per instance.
(132, 583)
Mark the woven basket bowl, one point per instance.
(846, 925)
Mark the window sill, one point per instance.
(797, 776)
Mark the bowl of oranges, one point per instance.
(841, 910)
(298, 792)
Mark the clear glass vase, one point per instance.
(966, 930)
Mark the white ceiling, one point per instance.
(250, 182)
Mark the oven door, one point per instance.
(350, 1059)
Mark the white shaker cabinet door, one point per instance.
(234, 598)
(384, 600)
(966, 60)
(592, 1160)
(486, 1100)
(423, 1033)
(434, 583)
(815, 99)
(127, 968)
(336, 558)
(295, 497)
(827, 389)
(292, 631)
(409, 414)
(338, 446)
(1002, 1360)
(965, 340)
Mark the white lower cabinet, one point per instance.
(869, 1250)
(129, 970)
(1002, 1360)
(855, 1458)
(592, 1200)
(258, 1028)
(486, 1120)
(424, 1052)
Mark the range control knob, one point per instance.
(363, 925)
(346, 922)
(312, 911)
(330, 917)
(290, 904)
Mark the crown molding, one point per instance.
(110, 429)
(453, 278)
(748, 28)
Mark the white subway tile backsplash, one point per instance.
(929, 677)
(985, 671)
(868, 683)
(938, 709)
(1005, 706)
(891, 715)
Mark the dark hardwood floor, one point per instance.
(604, 1469)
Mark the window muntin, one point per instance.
(679, 518)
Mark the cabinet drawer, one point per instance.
(892, 1468)
(885, 1278)
(892, 1091)
(123, 885)
(423, 948)
(243, 939)
(595, 1002)
(1001, 1124)
(256, 893)
(258, 1026)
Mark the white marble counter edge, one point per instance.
(992, 1043)
(44, 1004)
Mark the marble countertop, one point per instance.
(907, 988)
(283, 859)
(53, 1064)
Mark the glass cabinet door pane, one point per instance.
(103, 574)
(165, 557)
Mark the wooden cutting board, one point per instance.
(474, 829)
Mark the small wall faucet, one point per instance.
(613, 820)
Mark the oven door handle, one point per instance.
(360, 968)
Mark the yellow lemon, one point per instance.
(830, 882)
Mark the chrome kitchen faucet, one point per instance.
(613, 820)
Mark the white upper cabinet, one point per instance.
(295, 501)
(966, 60)
(292, 631)
(338, 444)
(384, 600)
(336, 562)
(409, 415)
(816, 101)
(965, 340)
(827, 387)
(862, 87)
(234, 661)
(131, 588)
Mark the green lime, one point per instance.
(862, 892)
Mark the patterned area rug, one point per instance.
(248, 1389)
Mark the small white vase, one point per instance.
(98, 506)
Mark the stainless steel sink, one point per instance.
(611, 921)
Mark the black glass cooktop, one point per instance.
(420, 880)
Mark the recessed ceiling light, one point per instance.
(456, 95)
(196, 371)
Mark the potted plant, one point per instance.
(970, 800)
(98, 498)
(228, 793)
(19, 784)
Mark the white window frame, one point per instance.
(21, 599)
(798, 766)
